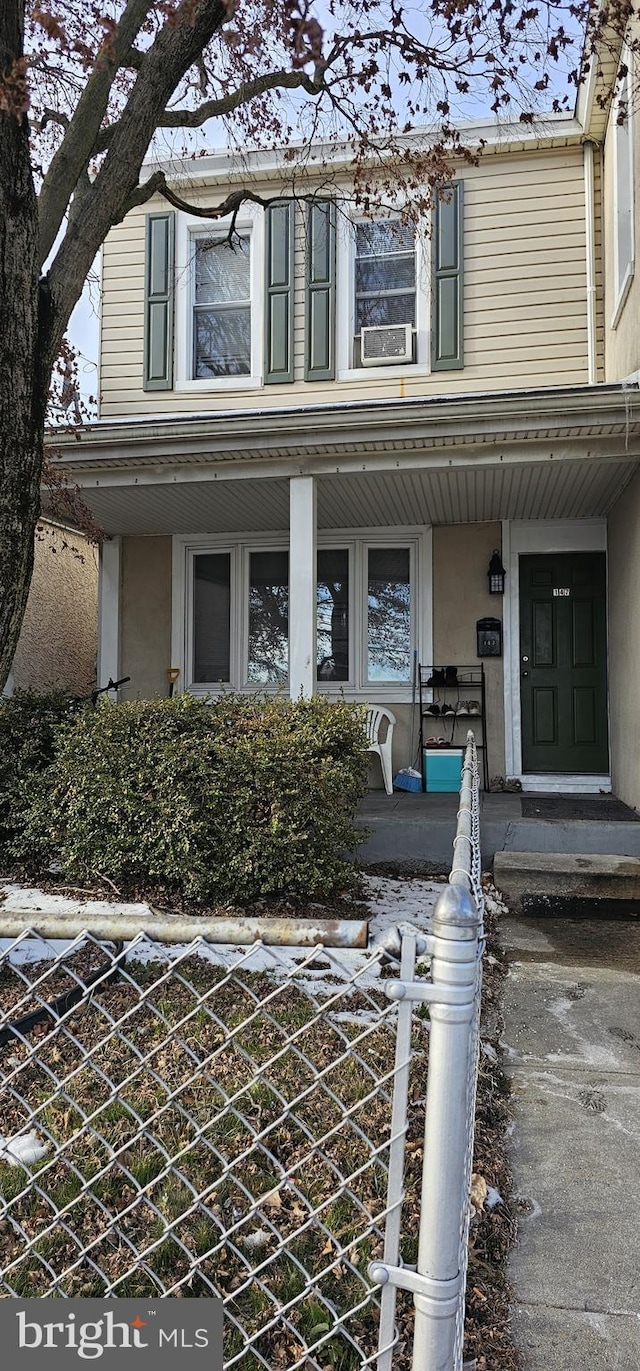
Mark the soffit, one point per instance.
(562, 490)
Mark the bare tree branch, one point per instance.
(157, 185)
(72, 157)
(166, 62)
(226, 104)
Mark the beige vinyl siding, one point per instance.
(525, 321)
(599, 256)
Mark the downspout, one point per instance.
(590, 237)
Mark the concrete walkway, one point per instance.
(572, 1048)
(418, 830)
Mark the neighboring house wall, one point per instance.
(621, 310)
(57, 645)
(145, 616)
(623, 540)
(525, 315)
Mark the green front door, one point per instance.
(563, 663)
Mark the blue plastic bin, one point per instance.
(443, 769)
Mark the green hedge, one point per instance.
(223, 800)
(30, 725)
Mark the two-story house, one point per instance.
(312, 442)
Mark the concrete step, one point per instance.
(541, 882)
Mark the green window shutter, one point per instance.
(158, 302)
(279, 293)
(320, 321)
(447, 304)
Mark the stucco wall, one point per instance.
(145, 616)
(57, 645)
(461, 556)
(623, 540)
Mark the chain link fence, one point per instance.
(185, 1116)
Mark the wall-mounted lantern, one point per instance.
(496, 574)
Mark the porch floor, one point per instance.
(416, 830)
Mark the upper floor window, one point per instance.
(221, 308)
(623, 244)
(385, 293)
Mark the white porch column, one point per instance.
(109, 612)
(302, 586)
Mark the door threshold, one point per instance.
(552, 784)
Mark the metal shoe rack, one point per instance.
(449, 688)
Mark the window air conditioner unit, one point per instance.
(386, 345)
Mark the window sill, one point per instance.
(394, 371)
(220, 383)
(393, 694)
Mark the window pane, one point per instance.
(389, 615)
(387, 309)
(222, 342)
(333, 615)
(269, 618)
(385, 273)
(211, 617)
(222, 272)
(384, 235)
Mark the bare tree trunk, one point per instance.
(23, 387)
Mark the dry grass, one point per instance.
(201, 1146)
(214, 1132)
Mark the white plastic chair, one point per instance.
(376, 715)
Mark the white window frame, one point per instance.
(418, 539)
(201, 687)
(345, 272)
(623, 188)
(188, 228)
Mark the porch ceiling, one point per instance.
(545, 490)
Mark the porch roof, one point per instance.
(550, 453)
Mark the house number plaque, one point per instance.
(561, 590)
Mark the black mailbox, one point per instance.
(489, 634)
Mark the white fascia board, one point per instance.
(516, 417)
(229, 164)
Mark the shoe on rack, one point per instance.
(448, 709)
(462, 707)
(451, 676)
(473, 707)
(433, 709)
(436, 678)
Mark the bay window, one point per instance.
(268, 655)
(389, 639)
(212, 617)
(236, 632)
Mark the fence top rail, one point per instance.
(242, 931)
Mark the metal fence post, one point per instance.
(456, 928)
